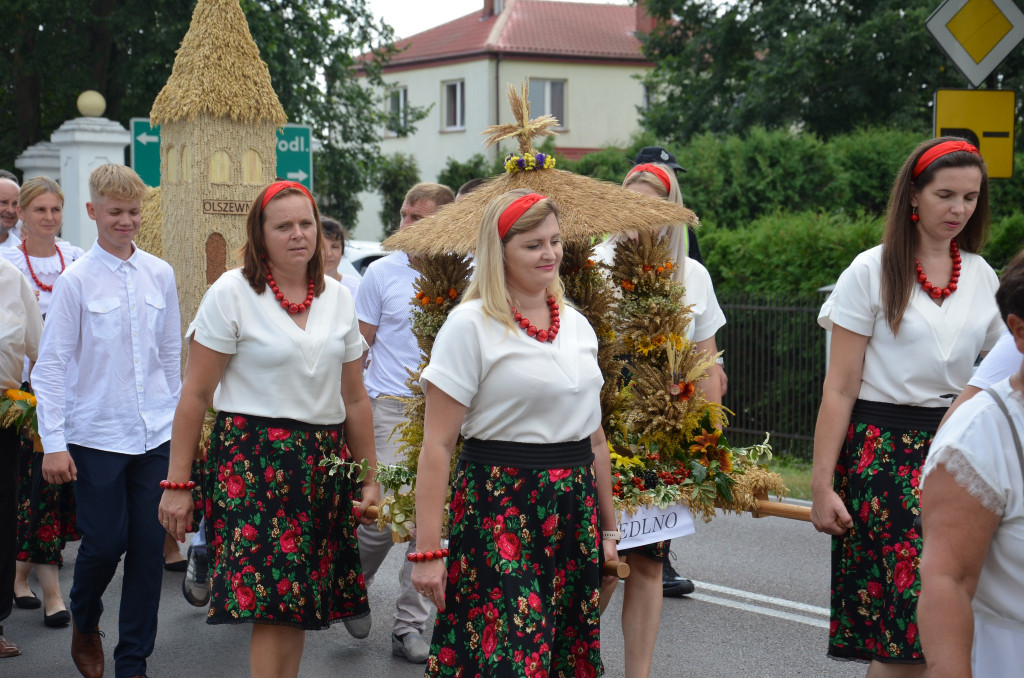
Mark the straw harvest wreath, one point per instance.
(666, 441)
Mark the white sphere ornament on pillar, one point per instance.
(91, 104)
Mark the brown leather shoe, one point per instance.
(87, 651)
(7, 648)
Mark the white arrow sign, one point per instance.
(298, 176)
(147, 138)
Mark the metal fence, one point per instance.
(775, 359)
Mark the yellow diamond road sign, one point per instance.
(977, 34)
(985, 118)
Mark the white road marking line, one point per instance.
(767, 611)
(758, 598)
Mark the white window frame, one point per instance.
(545, 84)
(460, 105)
(403, 109)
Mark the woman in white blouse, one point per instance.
(46, 521)
(908, 320)
(276, 348)
(971, 610)
(644, 589)
(514, 369)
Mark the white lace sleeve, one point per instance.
(958, 464)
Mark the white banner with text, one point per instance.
(649, 525)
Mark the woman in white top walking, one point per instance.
(908, 320)
(275, 346)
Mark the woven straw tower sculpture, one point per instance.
(218, 115)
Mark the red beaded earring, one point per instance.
(913, 214)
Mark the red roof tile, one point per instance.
(542, 28)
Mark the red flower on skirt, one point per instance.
(874, 589)
(557, 474)
(45, 533)
(550, 524)
(903, 575)
(288, 542)
(490, 640)
(249, 532)
(236, 486)
(508, 546)
(278, 433)
(283, 587)
(446, 656)
(239, 422)
(245, 597)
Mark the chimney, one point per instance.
(644, 21)
(493, 8)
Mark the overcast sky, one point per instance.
(409, 17)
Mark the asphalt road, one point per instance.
(760, 611)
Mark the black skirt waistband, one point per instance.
(527, 455)
(889, 415)
(281, 422)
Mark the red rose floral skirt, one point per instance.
(875, 582)
(522, 596)
(280, 528)
(46, 513)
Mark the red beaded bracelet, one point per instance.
(426, 555)
(168, 485)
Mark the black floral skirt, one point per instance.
(523, 590)
(47, 517)
(875, 582)
(280, 529)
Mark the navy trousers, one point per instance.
(8, 517)
(118, 496)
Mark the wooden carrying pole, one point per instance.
(782, 510)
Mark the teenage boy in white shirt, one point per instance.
(107, 382)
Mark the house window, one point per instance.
(454, 105)
(397, 112)
(220, 168)
(547, 97)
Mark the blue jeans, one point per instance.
(118, 496)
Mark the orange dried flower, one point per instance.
(626, 285)
(425, 301)
(668, 265)
(439, 301)
(452, 293)
(647, 269)
(660, 269)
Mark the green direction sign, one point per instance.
(146, 151)
(294, 152)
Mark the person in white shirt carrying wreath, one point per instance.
(531, 514)
(106, 382)
(908, 320)
(275, 346)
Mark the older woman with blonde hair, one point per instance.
(514, 369)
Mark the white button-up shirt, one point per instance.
(20, 325)
(108, 375)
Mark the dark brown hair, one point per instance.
(1010, 295)
(254, 268)
(900, 239)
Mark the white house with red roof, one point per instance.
(582, 61)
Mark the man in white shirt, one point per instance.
(383, 308)
(107, 382)
(20, 327)
(9, 190)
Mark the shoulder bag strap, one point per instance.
(1013, 429)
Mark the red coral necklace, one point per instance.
(287, 305)
(540, 335)
(934, 291)
(35, 279)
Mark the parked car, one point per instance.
(358, 255)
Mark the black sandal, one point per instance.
(27, 602)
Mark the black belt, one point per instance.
(889, 415)
(527, 455)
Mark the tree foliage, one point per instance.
(125, 50)
(455, 173)
(397, 174)
(826, 66)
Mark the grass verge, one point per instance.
(796, 474)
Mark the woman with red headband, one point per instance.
(908, 319)
(644, 589)
(275, 346)
(514, 369)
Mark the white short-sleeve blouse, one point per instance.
(276, 368)
(934, 352)
(517, 388)
(976, 447)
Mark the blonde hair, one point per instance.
(678, 242)
(37, 186)
(438, 193)
(117, 182)
(489, 284)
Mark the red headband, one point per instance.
(939, 150)
(279, 186)
(515, 210)
(656, 171)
